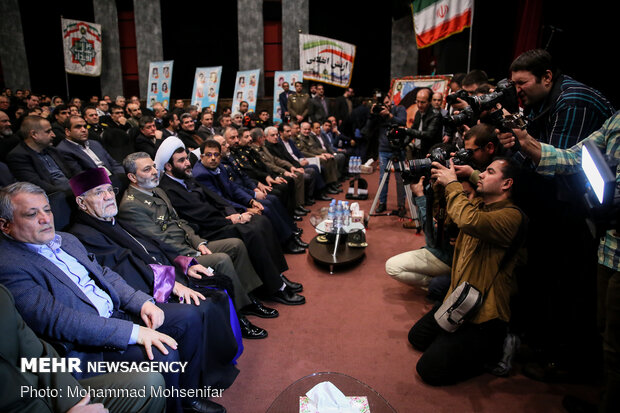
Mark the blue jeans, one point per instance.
(384, 158)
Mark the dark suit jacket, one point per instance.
(20, 341)
(431, 128)
(78, 160)
(223, 185)
(279, 150)
(53, 306)
(26, 165)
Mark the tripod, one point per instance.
(399, 167)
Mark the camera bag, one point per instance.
(465, 300)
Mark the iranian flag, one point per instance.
(435, 20)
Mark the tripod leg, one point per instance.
(386, 174)
(412, 209)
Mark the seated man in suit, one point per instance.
(209, 173)
(81, 153)
(215, 219)
(151, 271)
(20, 342)
(64, 294)
(35, 160)
(310, 146)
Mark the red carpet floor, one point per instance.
(356, 322)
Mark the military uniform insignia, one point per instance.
(130, 197)
(149, 203)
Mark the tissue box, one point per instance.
(366, 169)
(357, 216)
(358, 404)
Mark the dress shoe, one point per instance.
(298, 231)
(300, 242)
(291, 247)
(332, 191)
(292, 285)
(288, 297)
(401, 212)
(309, 202)
(250, 331)
(297, 218)
(410, 225)
(259, 310)
(204, 406)
(323, 197)
(380, 208)
(301, 208)
(300, 212)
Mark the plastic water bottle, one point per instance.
(352, 165)
(331, 211)
(346, 217)
(338, 219)
(358, 164)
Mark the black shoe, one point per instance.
(204, 406)
(259, 310)
(323, 197)
(300, 212)
(401, 212)
(250, 331)
(291, 247)
(300, 242)
(288, 297)
(301, 208)
(309, 202)
(298, 231)
(380, 208)
(332, 191)
(297, 218)
(292, 285)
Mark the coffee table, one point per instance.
(288, 400)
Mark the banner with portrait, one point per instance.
(280, 77)
(160, 80)
(206, 87)
(82, 47)
(326, 60)
(403, 91)
(246, 89)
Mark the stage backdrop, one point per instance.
(404, 89)
(160, 79)
(206, 87)
(326, 60)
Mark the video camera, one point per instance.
(602, 197)
(422, 167)
(484, 108)
(398, 137)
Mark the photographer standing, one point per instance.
(483, 256)
(382, 116)
(552, 161)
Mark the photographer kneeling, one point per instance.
(484, 256)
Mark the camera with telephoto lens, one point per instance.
(422, 167)
(398, 137)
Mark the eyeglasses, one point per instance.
(211, 154)
(99, 193)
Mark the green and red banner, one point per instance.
(435, 20)
(82, 47)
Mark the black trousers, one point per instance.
(453, 357)
(609, 326)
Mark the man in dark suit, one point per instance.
(66, 295)
(19, 341)
(35, 160)
(214, 219)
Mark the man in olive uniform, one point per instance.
(298, 103)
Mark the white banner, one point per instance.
(206, 87)
(82, 47)
(326, 60)
(246, 88)
(160, 79)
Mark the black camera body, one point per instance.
(398, 137)
(422, 167)
(377, 108)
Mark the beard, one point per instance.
(181, 173)
(147, 183)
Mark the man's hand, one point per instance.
(245, 217)
(186, 295)
(442, 174)
(289, 174)
(463, 171)
(204, 250)
(83, 407)
(280, 180)
(264, 188)
(152, 315)
(149, 338)
(446, 139)
(299, 118)
(255, 204)
(529, 145)
(253, 211)
(270, 181)
(418, 188)
(198, 271)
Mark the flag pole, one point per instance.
(63, 57)
(471, 29)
